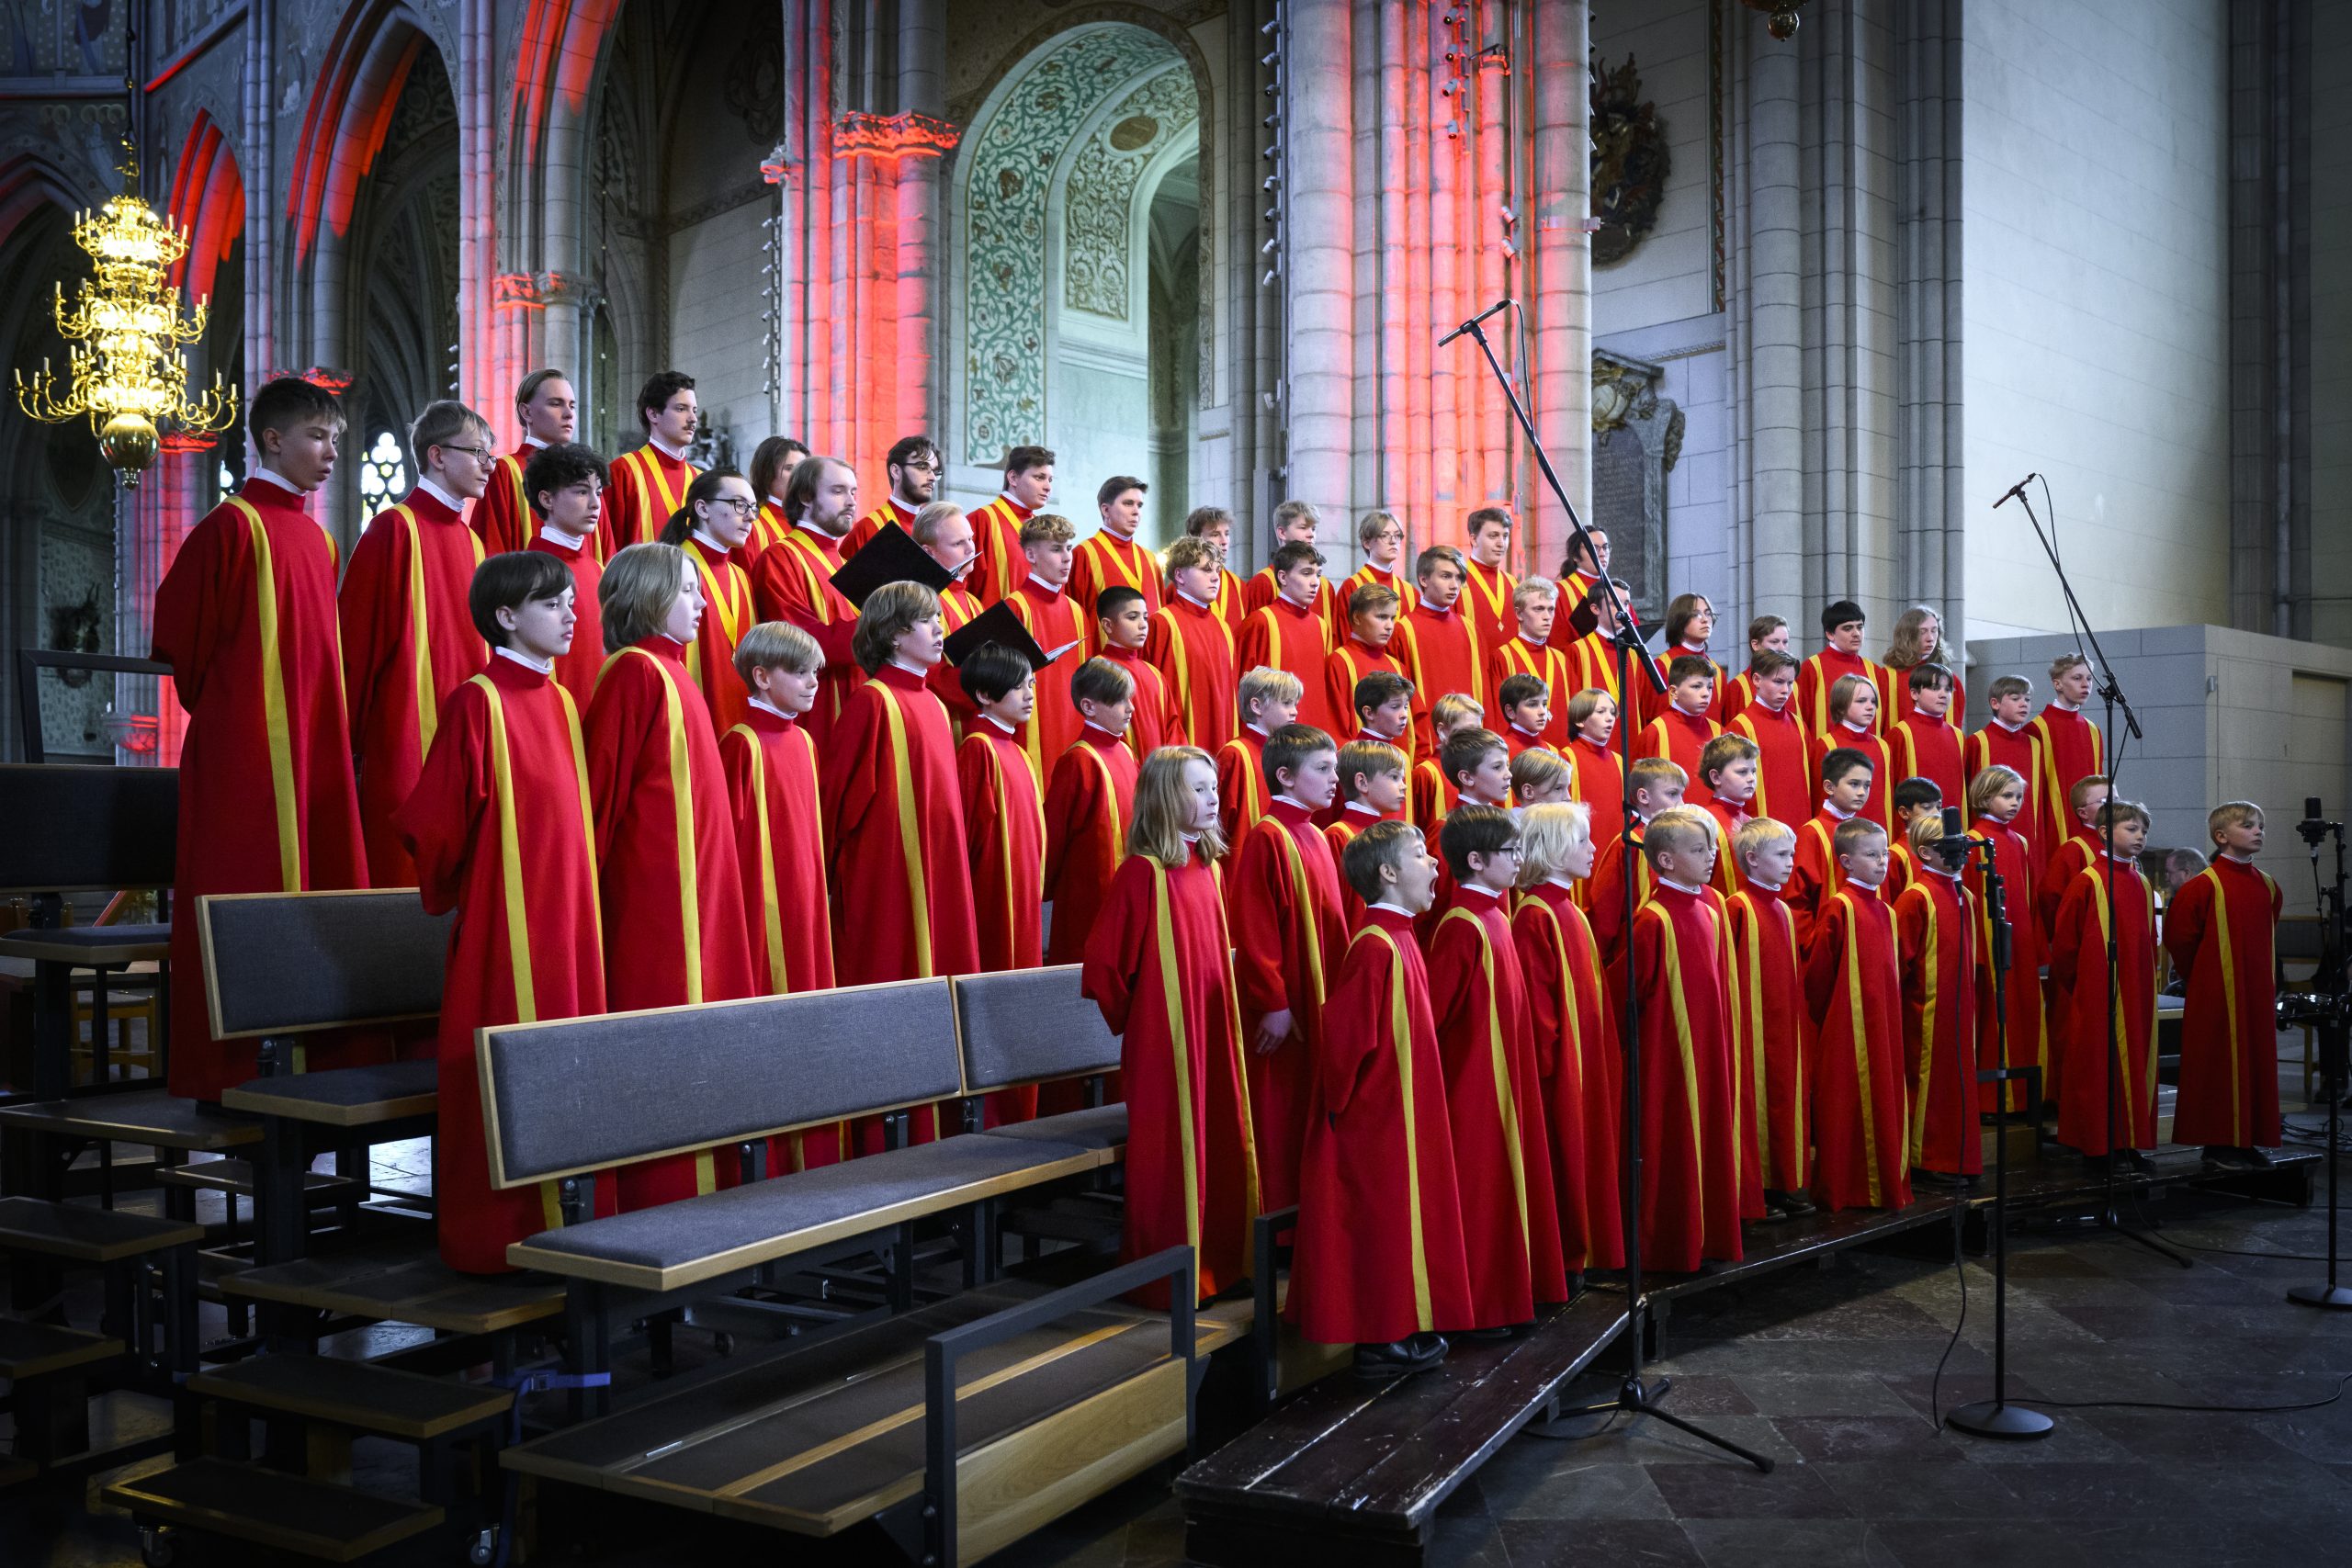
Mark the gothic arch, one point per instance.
(206, 201)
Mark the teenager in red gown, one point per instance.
(2079, 940)
(1268, 700)
(1447, 658)
(1682, 727)
(1295, 523)
(913, 467)
(1853, 727)
(1004, 819)
(1159, 964)
(548, 410)
(245, 616)
(1194, 647)
(1841, 655)
(1784, 778)
(1689, 622)
(1371, 647)
(1924, 743)
(1935, 925)
(793, 580)
(711, 528)
(1847, 779)
(772, 462)
(1054, 619)
(565, 483)
(2008, 740)
(1529, 651)
(1488, 582)
(1003, 566)
(2222, 930)
(1287, 633)
(650, 484)
(1770, 1020)
(1090, 802)
(1112, 557)
(500, 829)
(2071, 747)
(1853, 989)
(407, 638)
(1122, 630)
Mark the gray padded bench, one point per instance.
(1031, 1026)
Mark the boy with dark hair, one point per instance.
(1053, 618)
(1123, 619)
(711, 528)
(1213, 527)
(1192, 645)
(1765, 634)
(245, 616)
(1382, 704)
(1935, 924)
(1090, 801)
(1528, 652)
(1432, 794)
(1841, 626)
(1112, 557)
(2079, 940)
(1004, 565)
(1447, 657)
(1488, 583)
(563, 484)
(1287, 633)
(1726, 778)
(1682, 729)
(1525, 704)
(499, 829)
(1368, 651)
(1914, 800)
(650, 484)
(1004, 820)
(2222, 930)
(1599, 783)
(1925, 743)
(1845, 783)
(1689, 622)
(1295, 523)
(548, 410)
(1767, 716)
(1853, 985)
(1996, 800)
(2007, 741)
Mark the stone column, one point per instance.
(1319, 288)
(1559, 271)
(486, 355)
(257, 160)
(1930, 499)
(1771, 309)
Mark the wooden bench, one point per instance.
(1026, 1027)
(318, 1519)
(55, 1236)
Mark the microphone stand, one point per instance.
(1997, 1418)
(2113, 1054)
(2333, 1042)
(1634, 1396)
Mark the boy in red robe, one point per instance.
(2007, 741)
(1657, 785)
(1841, 625)
(1380, 536)
(1924, 744)
(1370, 647)
(2065, 856)
(1382, 704)
(1596, 663)
(2086, 1121)
(1288, 634)
(1935, 926)
(670, 880)
(1995, 800)
(1680, 955)
(1853, 726)
(650, 484)
(1682, 729)
(245, 616)
(1581, 573)
(501, 831)
(1004, 818)
(1447, 658)
(1784, 789)
(711, 527)
(1541, 776)
(772, 779)
(564, 482)
(1525, 704)
(1372, 789)
(548, 410)
(2071, 747)
(1159, 964)
(1432, 794)
(1488, 582)
(1529, 651)
(1055, 622)
(1847, 778)
(1295, 523)
(1915, 799)
(1726, 778)
(1765, 634)
(1853, 986)
(2222, 930)
(1028, 485)
(1213, 527)
(1494, 1086)
(1575, 1049)
(1268, 700)
(1192, 645)
(773, 461)
(793, 580)
(1380, 1262)
(1112, 557)
(1289, 933)
(1689, 622)
(407, 638)
(1599, 779)
(1122, 628)
(1770, 1021)
(1089, 801)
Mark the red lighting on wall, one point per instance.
(892, 137)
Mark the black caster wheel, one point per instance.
(158, 1546)
(483, 1550)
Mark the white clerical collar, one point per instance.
(1679, 886)
(1698, 652)
(1841, 816)
(1189, 839)
(1481, 891)
(1360, 805)
(1737, 808)
(2063, 705)
(675, 453)
(1856, 729)
(1532, 642)
(1783, 706)
(826, 530)
(776, 501)
(280, 481)
(554, 534)
(531, 440)
(766, 706)
(1936, 868)
(915, 670)
(1264, 733)
(1561, 882)
(901, 507)
(542, 666)
(1392, 906)
(1302, 603)
(1048, 586)
(453, 502)
(1117, 735)
(1006, 497)
(1767, 886)
(1531, 734)
(1858, 882)
(1469, 799)
(1000, 724)
(2235, 857)
(703, 536)
(1126, 538)
(1686, 713)
(1926, 717)
(1191, 597)
(2012, 729)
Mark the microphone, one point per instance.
(1496, 308)
(1953, 847)
(2312, 827)
(2014, 491)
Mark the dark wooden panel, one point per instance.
(355, 1394)
(317, 1518)
(99, 827)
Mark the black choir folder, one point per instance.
(891, 556)
(998, 623)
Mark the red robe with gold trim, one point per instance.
(956, 610)
(1680, 951)
(1284, 636)
(2066, 858)
(1153, 722)
(768, 528)
(1784, 791)
(1485, 600)
(861, 532)
(1517, 655)
(1879, 806)
(1195, 650)
(408, 640)
(1719, 701)
(2072, 750)
(501, 831)
(576, 670)
(1853, 985)
(1446, 658)
(1089, 804)
(2078, 962)
(791, 580)
(1242, 790)
(1380, 1253)
(1289, 935)
(672, 886)
(1102, 559)
(1924, 748)
(1599, 781)
(1005, 823)
(1823, 671)
(1159, 964)
(2019, 748)
(645, 488)
(2222, 930)
(245, 616)
(1678, 738)
(726, 617)
(1053, 618)
(1430, 798)
(1936, 925)
(2029, 1035)
(1573, 1044)
(1605, 889)
(1816, 875)
(1774, 1027)
(1349, 664)
(1400, 641)
(1339, 831)
(1000, 567)
(1502, 1146)
(1261, 591)
(770, 766)
(1596, 667)
(503, 518)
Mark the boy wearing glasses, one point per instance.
(408, 637)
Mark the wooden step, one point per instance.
(402, 1282)
(269, 1507)
(354, 1394)
(150, 1117)
(36, 1350)
(236, 1175)
(81, 1234)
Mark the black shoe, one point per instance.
(1429, 1343)
(2255, 1159)
(1791, 1205)
(1937, 1181)
(2137, 1160)
(1394, 1359)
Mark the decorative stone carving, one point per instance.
(898, 135)
(1629, 161)
(1097, 221)
(1637, 439)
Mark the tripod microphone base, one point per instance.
(1993, 1418)
(1636, 1397)
(2328, 1298)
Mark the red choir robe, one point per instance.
(576, 670)
(1005, 823)
(2222, 930)
(1193, 647)
(1502, 1146)
(1284, 636)
(645, 490)
(1102, 561)
(1429, 797)
(1596, 667)
(861, 532)
(1895, 691)
(726, 617)
(1853, 986)
(1784, 791)
(1159, 964)
(2029, 1035)
(1775, 1031)
(408, 640)
(1228, 600)
(1486, 601)
(1901, 870)
(1935, 926)
(1053, 618)
(1823, 671)
(1924, 748)
(1000, 567)
(1729, 819)
(1516, 741)
(1517, 655)
(1339, 831)
(1090, 802)
(1446, 659)
(2078, 962)
(1680, 953)
(1349, 664)
(2066, 858)
(2020, 748)
(1261, 591)
(793, 580)
(1153, 722)
(1879, 806)
(1289, 935)
(1400, 641)
(1736, 694)
(500, 830)
(956, 609)
(1242, 790)
(779, 835)
(2072, 750)
(245, 616)
(768, 528)
(1599, 781)
(1605, 890)
(670, 883)
(503, 518)
(1574, 1050)
(1678, 738)
(1719, 700)
(1816, 874)
(1380, 1252)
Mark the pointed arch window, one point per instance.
(383, 474)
